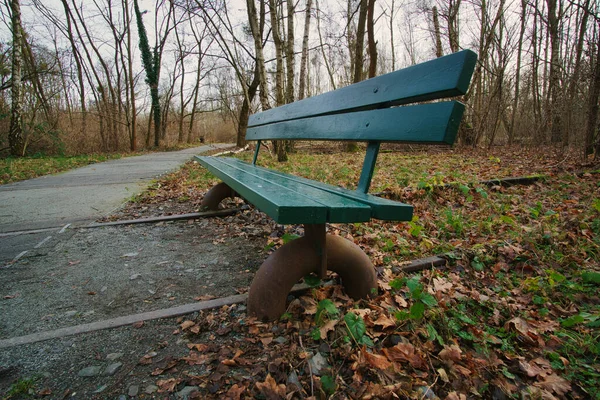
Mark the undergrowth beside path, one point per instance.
(515, 314)
(22, 168)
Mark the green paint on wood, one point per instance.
(368, 167)
(423, 123)
(381, 208)
(436, 79)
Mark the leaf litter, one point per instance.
(514, 313)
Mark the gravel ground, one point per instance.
(88, 275)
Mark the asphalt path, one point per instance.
(33, 210)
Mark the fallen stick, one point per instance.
(131, 319)
(246, 147)
(424, 263)
(176, 217)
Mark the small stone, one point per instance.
(134, 276)
(71, 313)
(292, 379)
(317, 364)
(150, 389)
(93, 370)
(114, 356)
(151, 291)
(112, 369)
(133, 390)
(134, 254)
(88, 313)
(101, 389)
(280, 340)
(186, 391)
(104, 288)
(122, 397)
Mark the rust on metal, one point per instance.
(298, 258)
(214, 196)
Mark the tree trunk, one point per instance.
(245, 110)
(576, 70)
(16, 137)
(392, 44)
(515, 105)
(304, 58)
(359, 56)
(360, 42)
(554, 105)
(279, 145)
(437, 33)
(289, 49)
(150, 63)
(372, 45)
(453, 33)
(258, 49)
(130, 82)
(592, 113)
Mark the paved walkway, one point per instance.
(81, 195)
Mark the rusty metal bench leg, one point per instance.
(215, 195)
(296, 259)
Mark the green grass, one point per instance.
(23, 388)
(18, 169)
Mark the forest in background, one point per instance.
(124, 75)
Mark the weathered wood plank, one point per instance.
(381, 208)
(436, 79)
(286, 200)
(422, 123)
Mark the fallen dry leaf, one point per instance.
(270, 389)
(384, 322)
(187, 324)
(235, 392)
(451, 354)
(377, 361)
(554, 383)
(327, 327)
(201, 347)
(167, 385)
(530, 368)
(405, 352)
(138, 324)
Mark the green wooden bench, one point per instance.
(366, 111)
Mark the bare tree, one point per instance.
(372, 45)
(304, 58)
(16, 135)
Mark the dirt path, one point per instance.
(95, 274)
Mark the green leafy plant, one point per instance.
(326, 310)
(328, 384)
(421, 299)
(357, 329)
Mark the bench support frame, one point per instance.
(315, 252)
(215, 195)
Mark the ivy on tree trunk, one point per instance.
(150, 62)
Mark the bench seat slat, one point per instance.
(286, 200)
(436, 79)
(422, 123)
(384, 209)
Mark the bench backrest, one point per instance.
(365, 111)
